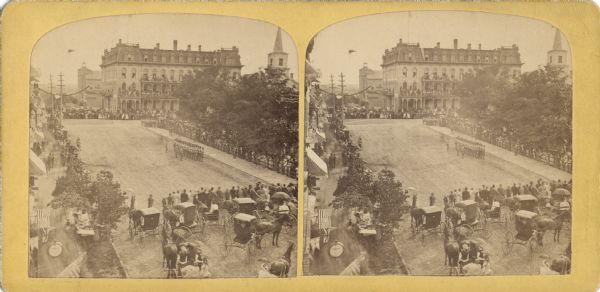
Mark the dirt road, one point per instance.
(419, 157)
(137, 158)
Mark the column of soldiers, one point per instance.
(188, 150)
(470, 148)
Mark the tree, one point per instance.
(391, 198)
(108, 200)
(482, 91)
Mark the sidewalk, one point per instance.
(534, 166)
(247, 167)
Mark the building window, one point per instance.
(180, 59)
(154, 74)
(190, 60)
(123, 86)
(145, 58)
(559, 59)
(164, 59)
(215, 61)
(172, 77)
(163, 74)
(452, 71)
(487, 59)
(410, 56)
(155, 58)
(206, 61)
(180, 75)
(404, 85)
(133, 73)
(426, 58)
(133, 86)
(414, 75)
(495, 59)
(550, 59)
(129, 57)
(280, 61)
(197, 60)
(478, 59)
(145, 74)
(461, 74)
(124, 73)
(404, 72)
(516, 73)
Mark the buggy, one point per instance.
(432, 218)
(245, 235)
(526, 234)
(245, 205)
(473, 217)
(144, 221)
(527, 202)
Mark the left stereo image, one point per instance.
(163, 146)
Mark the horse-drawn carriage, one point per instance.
(527, 202)
(430, 219)
(144, 221)
(526, 233)
(472, 217)
(189, 217)
(245, 233)
(245, 205)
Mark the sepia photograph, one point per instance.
(438, 143)
(163, 146)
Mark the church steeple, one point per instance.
(557, 41)
(278, 57)
(278, 47)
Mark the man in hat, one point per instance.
(150, 201)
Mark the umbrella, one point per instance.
(561, 192)
(280, 196)
(411, 189)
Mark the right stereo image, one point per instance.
(438, 143)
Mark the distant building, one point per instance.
(137, 78)
(424, 78)
(559, 57)
(370, 84)
(88, 78)
(278, 58)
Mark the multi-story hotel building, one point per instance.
(137, 78)
(424, 78)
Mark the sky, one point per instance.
(370, 35)
(89, 38)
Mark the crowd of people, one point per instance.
(365, 113)
(284, 162)
(539, 189)
(88, 113)
(504, 138)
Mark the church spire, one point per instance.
(557, 41)
(278, 47)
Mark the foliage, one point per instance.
(101, 197)
(108, 199)
(536, 107)
(260, 110)
(358, 188)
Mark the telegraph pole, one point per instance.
(342, 83)
(51, 93)
(332, 84)
(60, 91)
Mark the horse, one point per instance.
(462, 232)
(281, 266)
(171, 218)
(416, 218)
(560, 219)
(170, 254)
(263, 227)
(451, 249)
(452, 215)
(135, 218)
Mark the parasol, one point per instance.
(280, 196)
(561, 192)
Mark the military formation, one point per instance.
(188, 150)
(471, 148)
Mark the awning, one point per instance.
(36, 165)
(315, 165)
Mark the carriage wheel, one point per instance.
(507, 244)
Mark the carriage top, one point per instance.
(465, 203)
(526, 198)
(244, 217)
(149, 211)
(525, 214)
(184, 205)
(431, 209)
(244, 201)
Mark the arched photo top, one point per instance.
(232, 40)
(368, 40)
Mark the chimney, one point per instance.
(199, 48)
(455, 44)
(468, 46)
(119, 41)
(400, 42)
(157, 46)
(189, 47)
(437, 45)
(480, 47)
(175, 45)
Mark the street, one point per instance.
(419, 158)
(137, 158)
